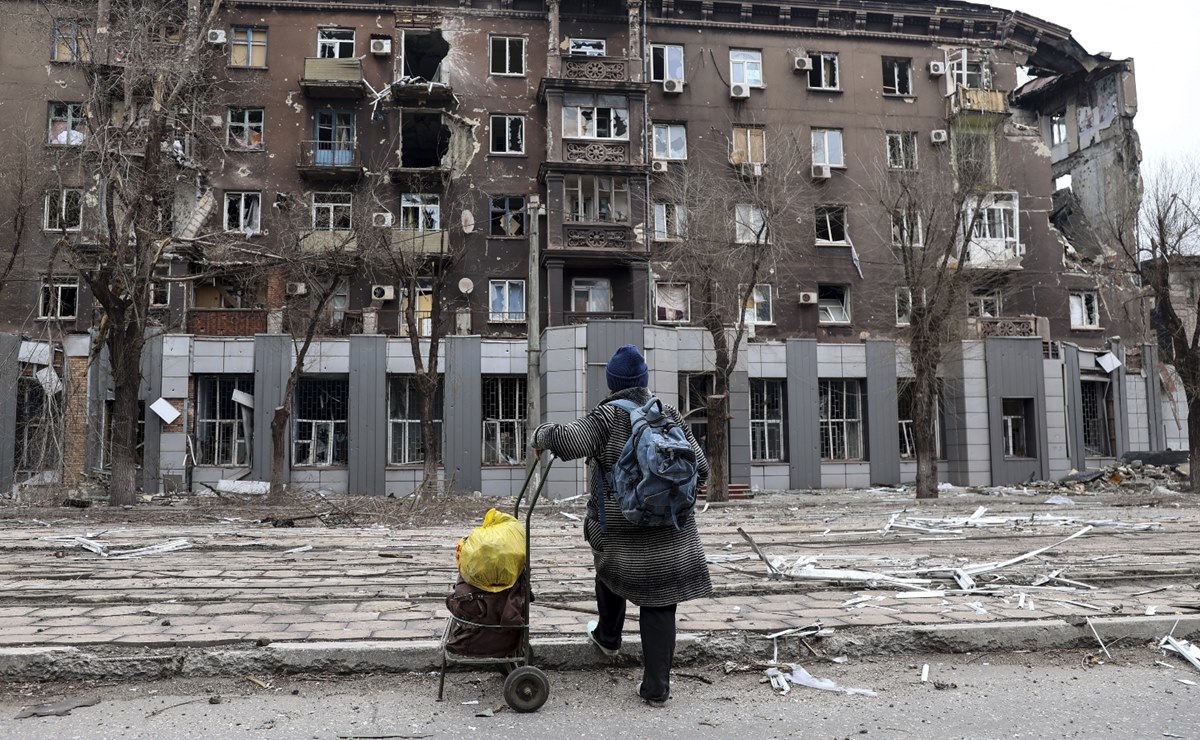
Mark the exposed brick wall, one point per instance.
(227, 322)
(75, 420)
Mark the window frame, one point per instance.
(901, 149)
(665, 51)
(581, 51)
(508, 315)
(826, 215)
(978, 301)
(818, 59)
(74, 119)
(506, 213)
(750, 224)
(669, 130)
(242, 196)
(77, 41)
(962, 66)
(1058, 129)
(247, 127)
(766, 447)
(593, 288)
(577, 124)
(508, 56)
(407, 426)
(1008, 429)
(826, 305)
(901, 71)
(325, 42)
(249, 42)
(739, 68)
(211, 407)
(336, 452)
(904, 295)
(415, 212)
(60, 200)
(495, 426)
(1083, 297)
(506, 121)
(742, 145)
(686, 318)
(51, 291)
(576, 204)
(332, 206)
(1000, 209)
(851, 425)
(670, 221)
(824, 136)
(902, 223)
(751, 311)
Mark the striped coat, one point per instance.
(650, 566)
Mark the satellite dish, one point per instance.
(465, 286)
(468, 222)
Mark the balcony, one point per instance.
(1007, 326)
(597, 237)
(984, 102)
(328, 240)
(420, 242)
(330, 161)
(333, 78)
(227, 322)
(591, 151)
(582, 317)
(414, 91)
(595, 69)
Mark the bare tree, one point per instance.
(729, 224)
(1166, 259)
(20, 204)
(951, 228)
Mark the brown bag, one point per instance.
(502, 611)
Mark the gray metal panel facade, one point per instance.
(603, 338)
(1070, 356)
(273, 355)
(10, 346)
(150, 388)
(1153, 397)
(1014, 370)
(883, 438)
(1120, 400)
(367, 436)
(463, 421)
(739, 427)
(803, 399)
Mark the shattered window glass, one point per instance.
(508, 134)
(221, 431)
(670, 141)
(606, 118)
(404, 418)
(507, 55)
(766, 420)
(245, 129)
(507, 301)
(504, 420)
(841, 423)
(68, 127)
(508, 216)
(335, 43)
(420, 212)
(319, 430)
(666, 62)
(897, 76)
(243, 212)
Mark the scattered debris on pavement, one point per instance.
(781, 681)
(1185, 649)
(58, 709)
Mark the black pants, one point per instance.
(657, 626)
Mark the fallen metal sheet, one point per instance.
(58, 709)
(975, 570)
(834, 574)
(754, 548)
(159, 549)
(801, 677)
(1190, 652)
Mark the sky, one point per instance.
(1163, 37)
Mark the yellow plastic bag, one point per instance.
(492, 557)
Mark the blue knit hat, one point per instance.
(627, 369)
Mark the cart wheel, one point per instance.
(526, 689)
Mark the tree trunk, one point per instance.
(1193, 404)
(277, 493)
(718, 438)
(125, 345)
(428, 383)
(924, 411)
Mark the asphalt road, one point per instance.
(1056, 695)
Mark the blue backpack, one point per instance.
(654, 479)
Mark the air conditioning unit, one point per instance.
(658, 165)
(739, 91)
(381, 47)
(750, 169)
(939, 136)
(821, 172)
(802, 64)
(672, 87)
(808, 298)
(937, 69)
(215, 121)
(382, 219)
(216, 36)
(297, 288)
(383, 292)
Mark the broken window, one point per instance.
(230, 291)
(907, 230)
(508, 134)
(831, 225)
(1058, 128)
(424, 140)
(243, 212)
(666, 63)
(595, 116)
(504, 420)
(424, 52)
(335, 43)
(420, 212)
(507, 55)
(984, 304)
(840, 408)
(824, 72)
(993, 229)
(670, 141)
(508, 216)
(332, 211)
(222, 422)
(1016, 418)
(748, 145)
(160, 287)
(72, 40)
(334, 132)
(759, 307)
(1085, 310)
(68, 126)
(827, 147)
(905, 389)
(670, 221)
(833, 304)
(319, 430)
(245, 128)
(902, 150)
(591, 295)
(422, 289)
(694, 390)
(1097, 408)
(404, 420)
(507, 301)
(597, 198)
(64, 210)
(766, 420)
(966, 70)
(672, 303)
(248, 47)
(38, 444)
(587, 47)
(897, 76)
(745, 66)
(749, 225)
(139, 437)
(903, 306)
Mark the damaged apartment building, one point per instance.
(459, 132)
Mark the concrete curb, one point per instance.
(361, 657)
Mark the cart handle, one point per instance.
(537, 492)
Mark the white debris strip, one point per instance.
(925, 673)
(1187, 650)
(294, 550)
(780, 681)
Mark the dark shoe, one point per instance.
(591, 633)
(656, 703)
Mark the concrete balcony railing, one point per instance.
(329, 160)
(420, 242)
(595, 152)
(971, 100)
(333, 78)
(227, 322)
(597, 236)
(328, 241)
(595, 69)
(582, 317)
(979, 327)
